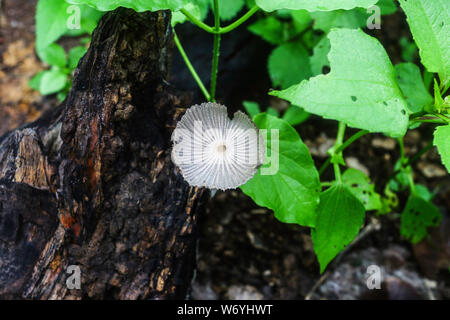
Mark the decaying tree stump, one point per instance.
(91, 183)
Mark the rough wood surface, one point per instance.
(91, 183)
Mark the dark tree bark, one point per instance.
(91, 183)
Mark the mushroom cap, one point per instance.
(215, 152)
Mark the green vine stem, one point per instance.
(190, 66)
(413, 159)
(338, 143)
(197, 22)
(217, 31)
(406, 167)
(239, 21)
(442, 117)
(216, 51)
(342, 147)
(220, 30)
(435, 121)
(420, 153)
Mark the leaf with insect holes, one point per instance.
(136, 5)
(442, 142)
(417, 216)
(411, 84)
(292, 191)
(360, 90)
(340, 215)
(326, 20)
(429, 22)
(319, 59)
(316, 5)
(359, 184)
(288, 64)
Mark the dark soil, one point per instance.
(244, 252)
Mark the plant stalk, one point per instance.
(406, 166)
(197, 22)
(240, 21)
(338, 143)
(216, 52)
(342, 147)
(190, 66)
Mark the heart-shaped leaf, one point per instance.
(340, 215)
(292, 191)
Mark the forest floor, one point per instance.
(244, 252)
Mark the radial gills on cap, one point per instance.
(215, 152)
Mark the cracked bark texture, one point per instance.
(91, 183)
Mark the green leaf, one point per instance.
(429, 22)
(75, 54)
(136, 5)
(446, 105)
(360, 90)
(442, 142)
(252, 108)
(61, 96)
(295, 115)
(302, 19)
(54, 55)
(35, 82)
(400, 181)
(352, 19)
(340, 215)
(269, 28)
(417, 216)
(272, 112)
(178, 17)
(293, 191)
(389, 200)
(438, 101)
(229, 9)
(359, 184)
(409, 50)
(288, 64)
(52, 81)
(411, 84)
(319, 59)
(204, 6)
(89, 19)
(423, 192)
(51, 22)
(387, 6)
(316, 5)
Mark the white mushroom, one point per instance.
(215, 152)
